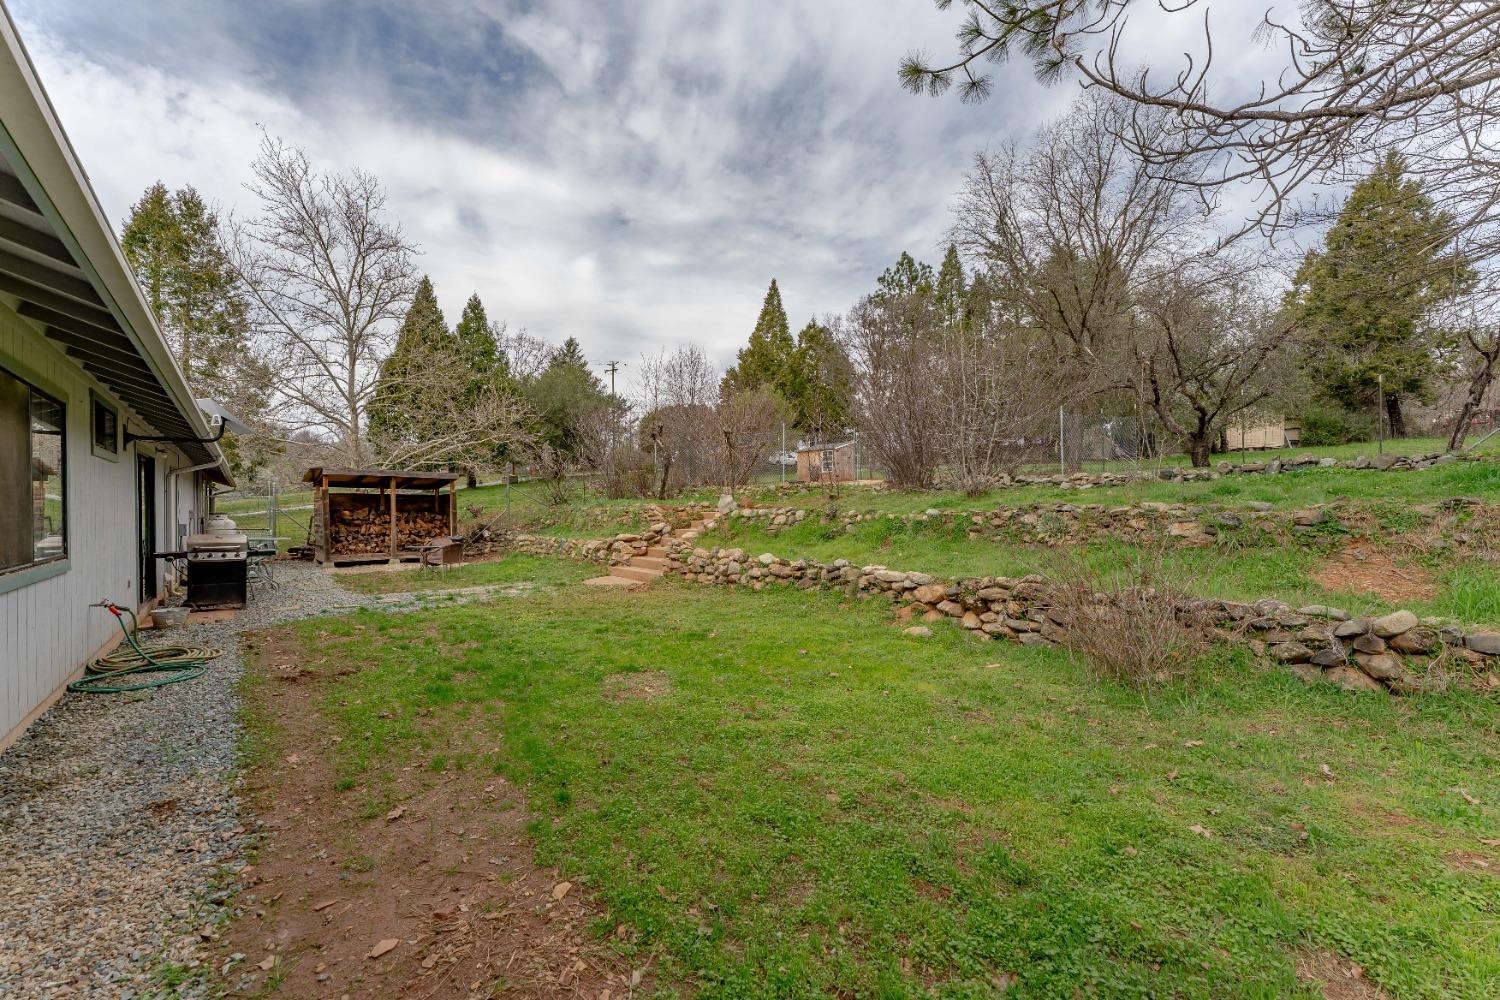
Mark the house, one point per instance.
(831, 462)
(1260, 433)
(105, 458)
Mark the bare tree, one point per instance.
(1070, 229)
(677, 394)
(893, 348)
(1358, 78)
(1474, 319)
(526, 355)
(748, 422)
(328, 277)
(998, 385)
(1208, 346)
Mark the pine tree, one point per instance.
(563, 396)
(906, 277)
(820, 388)
(394, 411)
(173, 242)
(951, 289)
(1366, 299)
(765, 361)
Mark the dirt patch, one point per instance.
(1336, 976)
(435, 895)
(1472, 862)
(642, 685)
(1363, 569)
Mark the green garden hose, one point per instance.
(174, 663)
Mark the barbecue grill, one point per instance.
(217, 564)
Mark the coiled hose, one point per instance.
(174, 663)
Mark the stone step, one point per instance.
(611, 581)
(649, 562)
(657, 551)
(639, 574)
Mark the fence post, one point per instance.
(1062, 446)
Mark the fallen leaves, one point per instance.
(561, 889)
(1202, 831)
(395, 814)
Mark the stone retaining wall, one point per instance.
(612, 551)
(1390, 652)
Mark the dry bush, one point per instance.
(1124, 620)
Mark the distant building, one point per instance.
(1263, 433)
(831, 462)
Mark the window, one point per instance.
(106, 428)
(827, 459)
(33, 462)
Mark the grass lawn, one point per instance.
(516, 568)
(781, 796)
(1286, 490)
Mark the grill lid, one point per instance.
(233, 541)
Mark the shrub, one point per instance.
(1123, 621)
(1327, 425)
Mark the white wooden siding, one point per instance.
(47, 629)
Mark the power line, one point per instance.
(613, 367)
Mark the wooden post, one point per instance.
(453, 507)
(392, 487)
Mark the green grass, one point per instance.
(1286, 491)
(822, 806)
(516, 568)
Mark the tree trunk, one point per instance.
(1199, 448)
(1477, 388)
(1393, 411)
(471, 477)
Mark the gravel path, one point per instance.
(119, 827)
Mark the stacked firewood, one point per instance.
(365, 529)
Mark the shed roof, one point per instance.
(825, 446)
(387, 478)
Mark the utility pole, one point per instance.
(1062, 446)
(613, 367)
(781, 459)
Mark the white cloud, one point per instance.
(629, 174)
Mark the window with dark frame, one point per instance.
(106, 427)
(33, 475)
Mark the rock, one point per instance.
(1351, 628)
(889, 576)
(1032, 639)
(1330, 657)
(1383, 462)
(1260, 505)
(1290, 652)
(765, 559)
(918, 632)
(382, 947)
(1369, 643)
(1306, 673)
(1394, 623)
(1486, 643)
(1184, 529)
(1308, 518)
(951, 608)
(970, 620)
(1352, 680)
(727, 504)
(1324, 611)
(1381, 666)
(1419, 640)
(932, 593)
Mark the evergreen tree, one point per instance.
(1365, 300)
(174, 244)
(563, 396)
(476, 341)
(766, 360)
(394, 414)
(906, 277)
(820, 389)
(951, 289)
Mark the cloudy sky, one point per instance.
(632, 174)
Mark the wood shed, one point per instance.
(378, 515)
